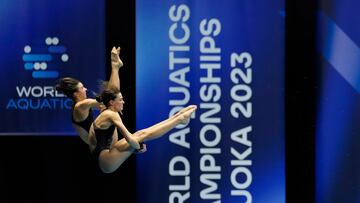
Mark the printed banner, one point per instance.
(338, 140)
(227, 57)
(40, 42)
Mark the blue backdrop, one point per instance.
(338, 141)
(227, 57)
(41, 41)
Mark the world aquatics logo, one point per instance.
(44, 62)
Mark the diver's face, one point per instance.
(81, 91)
(118, 103)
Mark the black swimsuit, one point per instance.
(85, 124)
(104, 140)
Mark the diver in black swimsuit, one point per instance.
(110, 154)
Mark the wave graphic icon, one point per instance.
(44, 59)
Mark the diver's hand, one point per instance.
(133, 143)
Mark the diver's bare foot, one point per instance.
(115, 58)
(185, 116)
(183, 110)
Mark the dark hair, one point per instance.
(107, 95)
(67, 86)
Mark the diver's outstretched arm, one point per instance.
(115, 118)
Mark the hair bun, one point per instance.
(98, 98)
